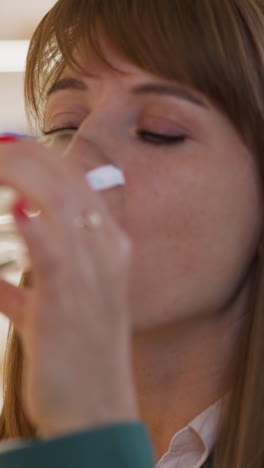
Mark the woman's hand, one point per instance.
(74, 324)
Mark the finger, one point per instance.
(14, 302)
(31, 170)
(55, 264)
(58, 190)
(42, 242)
(61, 196)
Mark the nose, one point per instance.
(85, 155)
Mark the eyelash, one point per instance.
(144, 136)
(159, 139)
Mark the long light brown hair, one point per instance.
(217, 48)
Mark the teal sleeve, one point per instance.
(210, 461)
(116, 446)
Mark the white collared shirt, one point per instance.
(191, 446)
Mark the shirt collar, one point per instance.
(191, 446)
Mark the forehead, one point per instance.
(91, 65)
(114, 64)
(117, 66)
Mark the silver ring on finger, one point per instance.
(88, 221)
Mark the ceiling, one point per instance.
(20, 17)
(18, 20)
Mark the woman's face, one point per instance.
(192, 203)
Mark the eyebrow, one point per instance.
(148, 88)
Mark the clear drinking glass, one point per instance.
(13, 251)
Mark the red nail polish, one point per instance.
(19, 210)
(8, 139)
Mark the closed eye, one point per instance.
(160, 139)
(145, 136)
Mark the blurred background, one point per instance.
(17, 22)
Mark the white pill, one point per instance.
(105, 177)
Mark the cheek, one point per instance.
(195, 231)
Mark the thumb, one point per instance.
(14, 302)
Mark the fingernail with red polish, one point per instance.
(8, 139)
(11, 137)
(19, 210)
